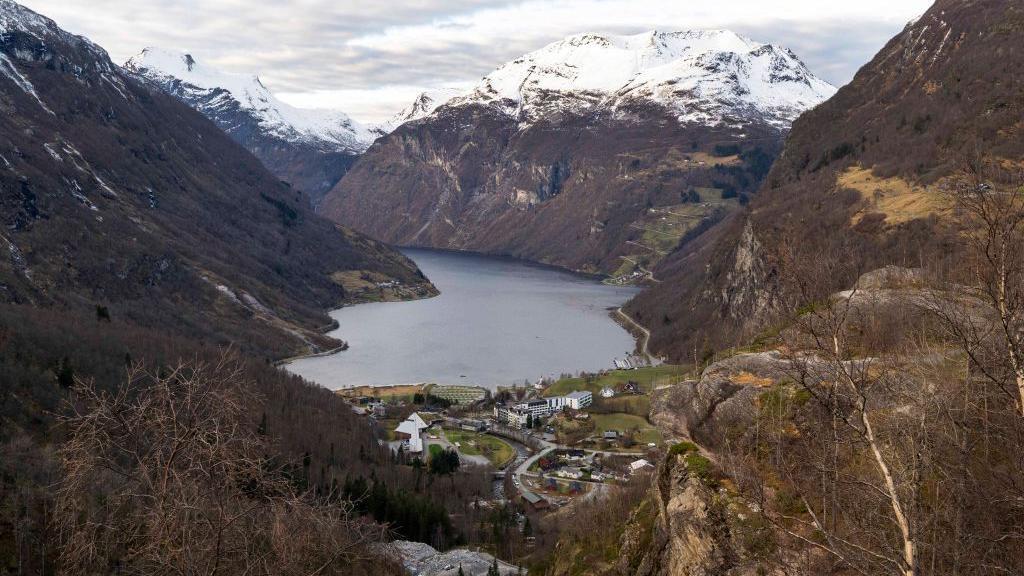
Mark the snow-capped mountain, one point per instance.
(704, 76)
(214, 92)
(565, 154)
(310, 149)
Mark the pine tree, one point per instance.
(65, 373)
(461, 573)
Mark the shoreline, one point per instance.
(598, 276)
(643, 341)
(432, 292)
(618, 316)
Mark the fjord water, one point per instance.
(496, 322)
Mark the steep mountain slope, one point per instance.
(596, 153)
(310, 149)
(861, 179)
(117, 196)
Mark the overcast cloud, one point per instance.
(370, 58)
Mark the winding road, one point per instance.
(644, 340)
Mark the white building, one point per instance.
(557, 403)
(536, 408)
(575, 400)
(411, 430)
(580, 399)
(512, 417)
(639, 465)
(607, 392)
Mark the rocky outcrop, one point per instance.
(421, 559)
(748, 290)
(722, 403)
(695, 531)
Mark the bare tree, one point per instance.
(166, 475)
(851, 390)
(991, 204)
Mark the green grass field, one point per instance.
(663, 227)
(648, 379)
(627, 403)
(624, 423)
(473, 444)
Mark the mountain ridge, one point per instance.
(571, 155)
(310, 149)
(118, 196)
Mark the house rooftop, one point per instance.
(530, 497)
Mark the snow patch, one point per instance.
(11, 71)
(53, 153)
(76, 192)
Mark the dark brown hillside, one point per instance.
(113, 194)
(862, 175)
(586, 192)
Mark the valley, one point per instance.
(633, 302)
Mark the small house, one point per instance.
(639, 465)
(570, 472)
(535, 501)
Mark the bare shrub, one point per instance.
(166, 475)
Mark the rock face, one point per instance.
(114, 194)
(697, 530)
(720, 404)
(860, 183)
(597, 153)
(423, 560)
(310, 149)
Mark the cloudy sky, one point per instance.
(371, 57)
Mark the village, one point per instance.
(548, 443)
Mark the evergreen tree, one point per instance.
(65, 373)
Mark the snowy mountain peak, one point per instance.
(703, 76)
(423, 106)
(217, 93)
